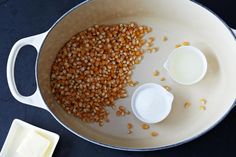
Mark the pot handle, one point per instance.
(35, 99)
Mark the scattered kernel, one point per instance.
(203, 108)
(154, 134)
(151, 39)
(145, 126)
(156, 73)
(124, 95)
(129, 126)
(130, 131)
(149, 29)
(122, 108)
(122, 113)
(101, 124)
(149, 50)
(187, 104)
(177, 45)
(154, 49)
(137, 61)
(167, 88)
(164, 38)
(132, 83)
(128, 112)
(118, 113)
(162, 79)
(148, 44)
(135, 83)
(143, 41)
(203, 101)
(186, 43)
(132, 24)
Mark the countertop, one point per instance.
(22, 18)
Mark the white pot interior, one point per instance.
(179, 20)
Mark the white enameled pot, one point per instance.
(179, 20)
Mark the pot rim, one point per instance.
(127, 148)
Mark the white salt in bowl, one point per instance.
(151, 103)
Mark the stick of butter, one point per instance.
(34, 145)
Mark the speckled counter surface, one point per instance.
(22, 18)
